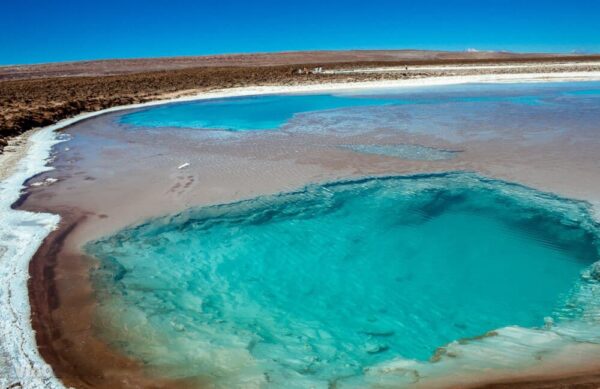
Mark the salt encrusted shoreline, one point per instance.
(21, 232)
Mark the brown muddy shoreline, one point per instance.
(102, 366)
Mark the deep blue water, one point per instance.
(310, 288)
(269, 112)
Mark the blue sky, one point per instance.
(65, 30)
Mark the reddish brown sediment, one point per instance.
(78, 360)
(589, 380)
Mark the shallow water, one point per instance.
(269, 112)
(313, 287)
(405, 151)
(241, 113)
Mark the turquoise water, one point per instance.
(308, 289)
(268, 112)
(242, 113)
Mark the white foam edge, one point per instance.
(22, 232)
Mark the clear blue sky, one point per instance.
(65, 30)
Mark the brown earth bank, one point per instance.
(39, 95)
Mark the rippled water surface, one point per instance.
(311, 288)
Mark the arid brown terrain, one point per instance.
(128, 66)
(38, 95)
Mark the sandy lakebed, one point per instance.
(91, 199)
